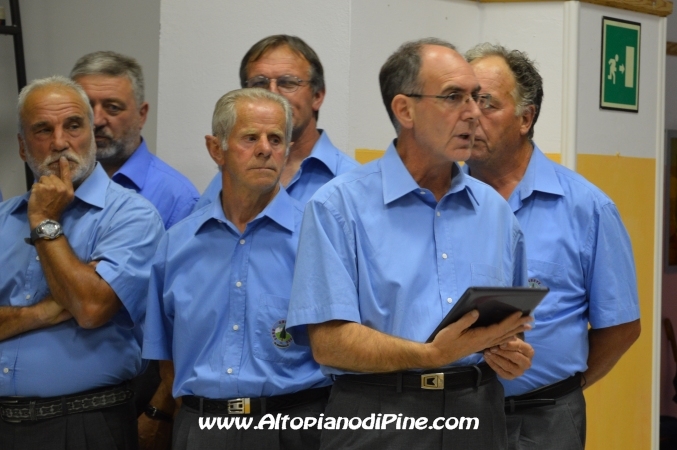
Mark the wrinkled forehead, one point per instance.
(52, 104)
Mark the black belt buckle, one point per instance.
(239, 406)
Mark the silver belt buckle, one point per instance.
(238, 406)
(432, 381)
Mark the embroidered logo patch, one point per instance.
(535, 283)
(281, 338)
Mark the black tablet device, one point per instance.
(493, 303)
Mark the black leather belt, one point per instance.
(449, 378)
(544, 396)
(19, 409)
(263, 405)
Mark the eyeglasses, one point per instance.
(456, 99)
(285, 83)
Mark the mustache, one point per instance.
(55, 158)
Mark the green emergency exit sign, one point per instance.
(620, 65)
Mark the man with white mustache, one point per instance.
(75, 269)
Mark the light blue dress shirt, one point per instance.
(377, 249)
(166, 188)
(578, 247)
(323, 164)
(105, 223)
(218, 303)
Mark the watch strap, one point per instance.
(155, 414)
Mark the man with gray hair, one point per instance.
(576, 245)
(219, 293)
(387, 249)
(115, 87)
(75, 268)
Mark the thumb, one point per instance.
(65, 172)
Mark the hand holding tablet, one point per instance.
(493, 303)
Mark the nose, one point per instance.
(59, 140)
(264, 149)
(272, 87)
(473, 110)
(100, 118)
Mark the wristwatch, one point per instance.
(47, 229)
(156, 414)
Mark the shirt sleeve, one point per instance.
(325, 277)
(159, 325)
(611, 281)
(124, 251)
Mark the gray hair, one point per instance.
(56, 80)
(528, 82)
(225, 112)
(400, 73)
(114, 65)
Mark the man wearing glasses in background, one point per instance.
(287, 66)
(386, 250)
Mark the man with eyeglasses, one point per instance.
(576, 245)
(384, 253)
(288, 66)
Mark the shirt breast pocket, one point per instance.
(272, 342)
(550, 275)
(486, 275)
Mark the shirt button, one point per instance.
(444, 256)
(229, 370)
(422, 192)
(238, 284)
(438, 214)
(449, 300)
(235, 327)
(37, 258)
(242, 241)
(28, 296)
(5, 370)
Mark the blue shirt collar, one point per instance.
(398, 182)
(135, 169)
(280, 210)
(325, 152)
(91, 191)
(540, 176)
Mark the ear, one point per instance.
(213, 145)
(318, 98)
(143, 113)
(22, 147)
(403, 110)
(527, 119)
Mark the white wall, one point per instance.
(201, 46)
(56, 34)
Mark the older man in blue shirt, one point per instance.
(115, 87)
(220, 289)
(288, 66)
(576, 245)
(75, 267)
(386, 250)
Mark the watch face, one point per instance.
(50, 228)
